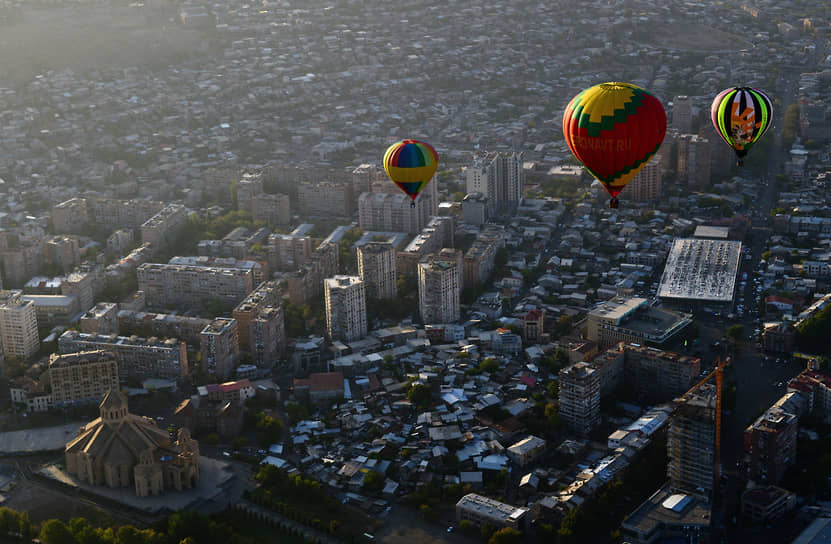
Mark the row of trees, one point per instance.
(179, 528)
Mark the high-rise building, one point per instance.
(307, 282)
(345, 298)
(266, 295)
(480, 259)
(164, 226)
(289, 251)
(393, 212)
(646, 185)
(439, 287)
(22, 261)
(499, 177)
(82, 377)
(249, 187)
(437, 234)
(70, 216)
(267, 336)
(657, 375)
(62, 251)
(219, 347)
(770, 445)
(271, 209)
(363, 177)
(682, 118)
(80, 284)
(580, 397)
(694, 160)
(18, 326)
(325, 198)
(691, 443)
(376, 266)
(101, 319)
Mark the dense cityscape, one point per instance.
(221, 321)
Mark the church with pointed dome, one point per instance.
(119, 449)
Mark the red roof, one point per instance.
(326, 381)
(799, 385)
(529, 381)
(777, 298)
(533, 315)
(227, 387)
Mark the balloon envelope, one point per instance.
(614, 129)
(411, 165)
(740, 116)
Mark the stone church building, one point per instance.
(119, 449)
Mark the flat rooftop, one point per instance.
(618, 308)
(706, 231)
(701, 270)
(666, 509)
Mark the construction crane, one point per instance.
(718, 371)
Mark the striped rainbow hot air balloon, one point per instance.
(614, 129)
(411, 165)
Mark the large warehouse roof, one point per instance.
(703, 270)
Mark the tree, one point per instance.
(269, 429)
(812, 334)
(420, 395)
(467, 527)
(506, 535)
(55, 532)
(373, 481)
(9, 520)
(735, 332)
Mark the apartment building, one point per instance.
(691, 443)
(480, 259)
(770, 445)
(219, 347)
(580, 397)
(345, 298)
(70, 216)
(439, 287)
(164, 226)
(289, 251)
(101, 319)
(481, 510)
(267, 336)
(267, 294)
(182, 327)
(18, 326)
(165, 284)
(307, 282)
(437, 234)
(83, 377)
(137, 357)
(271, 209)
(376, 266)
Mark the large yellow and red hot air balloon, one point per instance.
(411, 165)
(614, 129)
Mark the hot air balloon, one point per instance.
(740, 116)
(411, 165)
(614, 129)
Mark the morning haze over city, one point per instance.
(355, 271)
